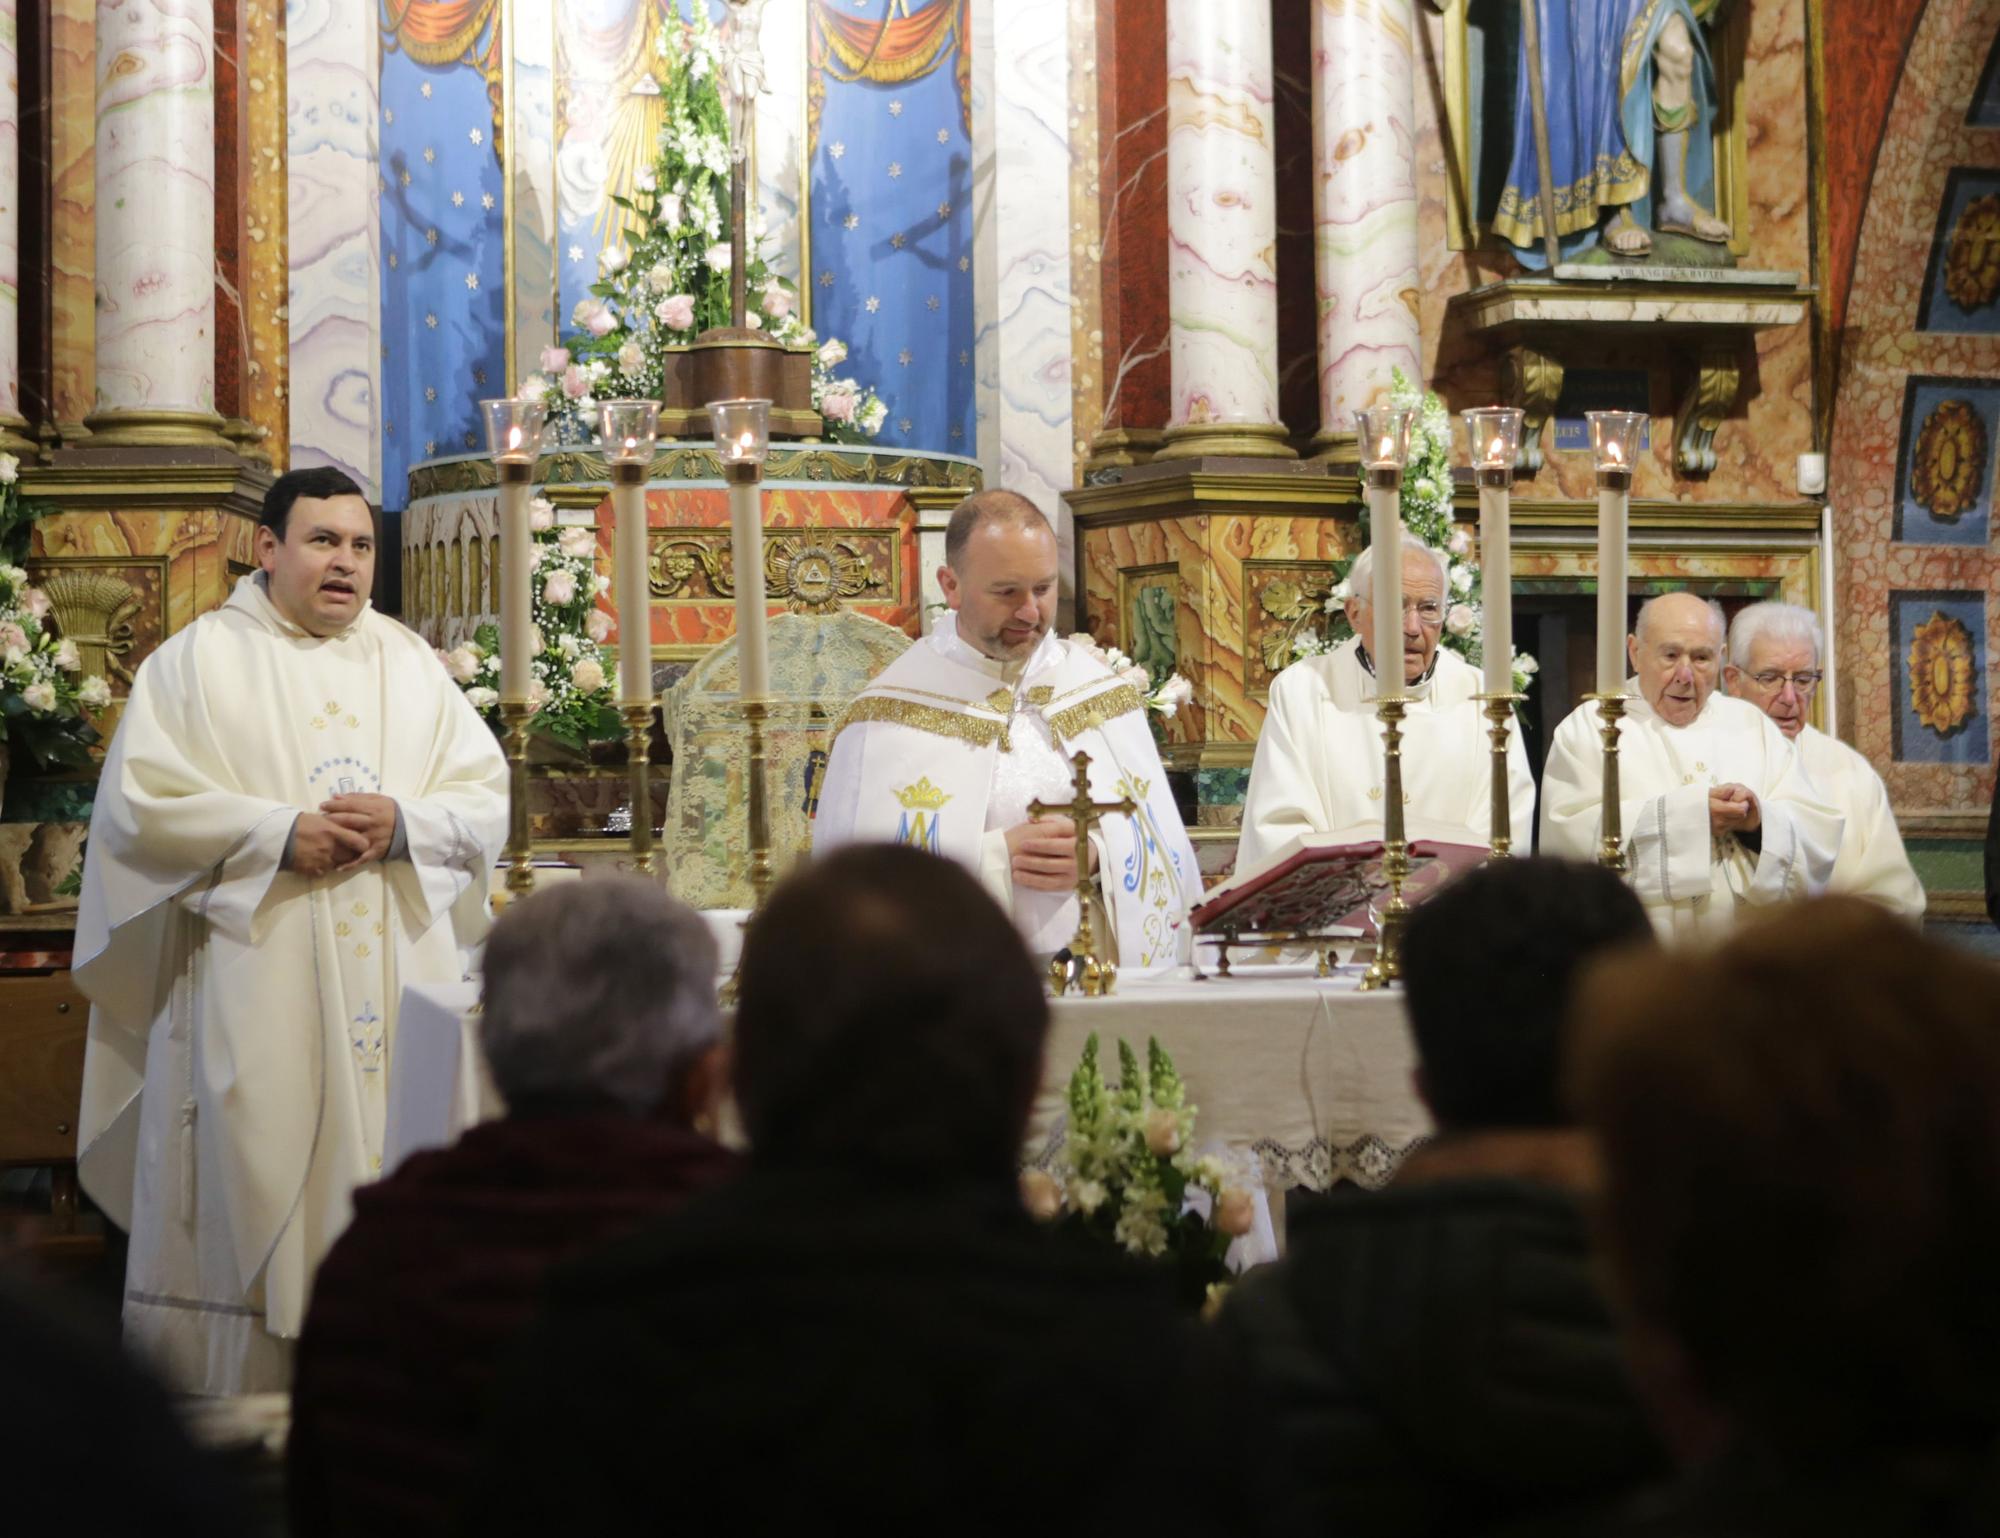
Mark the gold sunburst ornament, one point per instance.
(1950, 460)
(815, 571)
(1972, 261)
(1941, 669)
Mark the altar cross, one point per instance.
(1094, 976)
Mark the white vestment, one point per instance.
(1318, 766)
(1690, 880)
(255, 1008)
(946, 748)
(1872, 862)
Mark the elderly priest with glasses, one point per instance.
(1774, 663)
(1715, 810)
(1318, 766)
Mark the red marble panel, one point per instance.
(230, 138)
(1862, 44)
(1132, 140)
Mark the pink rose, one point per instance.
(576, 383)
(577, 543)
(588, 676)
(538, 694)
(463, 662)
(595, 316)
(1163, 1131)
(541, 515)
(559, 589)
(838, 405)
(676, 312)
(13, 637)
(554, 359)
(36, 602)
(1234, 1212)
(777, 302)
(598, 626)
(1138, 678)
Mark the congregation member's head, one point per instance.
(316, 544)
(1000, 573)
(600, 994)
(1676, 650)
(1425, 598)
(1774, 662)
(1801, 1138)
(888, 1019)
(1488, 967)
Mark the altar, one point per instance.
(1304, 1077)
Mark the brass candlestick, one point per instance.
(1611, 842)
(638, 718)
(514, 716)
(1095, 975)
(755, 713)
(1387, 967)
(1500, 712)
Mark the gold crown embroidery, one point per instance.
(922, 796)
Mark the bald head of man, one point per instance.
(1676, 649)
(1000, 574)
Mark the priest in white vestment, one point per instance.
(1318, 766)
(949, 745)
(1715, 810)
(1774, 664)
(297, 816)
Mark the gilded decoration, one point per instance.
(814, 571)
(1289, 600)
(699, 462)
(1950, 460)
(94, 606)
(1941, 672)
(1972, 263)
(809, 569)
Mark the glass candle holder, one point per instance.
(1383, 433)
(514, 429)
(742, 430)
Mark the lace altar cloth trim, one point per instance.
(1318, 1165)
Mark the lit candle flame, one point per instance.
(1496, 451)
(1386, 454)
(1613, 452)
(745, 444)
(631, 445)
(513, 439)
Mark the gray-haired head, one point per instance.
(1675, 600)
(1771, 621)
(598, 990)
(1361, 575)
(993, 505)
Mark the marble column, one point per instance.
(1364, 205)
(13, 427)
(1222, 232)
(155, 225)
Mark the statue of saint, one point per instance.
(1631, 112)
(743, 71)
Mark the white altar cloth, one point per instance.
(1308, 1076)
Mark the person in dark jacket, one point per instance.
(867, 1333)
(1439, 1351)
(1801, 1146)
(599, 1022)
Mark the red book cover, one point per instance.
(1327, 883)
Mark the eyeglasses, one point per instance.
(1771, 680)
(1430, 611)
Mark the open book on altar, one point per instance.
(1327, 885)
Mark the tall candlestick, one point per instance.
(742, 437)
(514, 438)
(1495, 435)
(1614, 439)
(628, 429)
(1384, 435)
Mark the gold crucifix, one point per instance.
(1094, 976)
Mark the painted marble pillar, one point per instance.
(1222, 232)
(12, 437)
(1364, 204)
(155, 224)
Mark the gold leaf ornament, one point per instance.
(1972, 260)
(1941, 672)
(1949, 460)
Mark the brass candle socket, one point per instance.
(514, 716)
(1611, 840)
(1387, 967)
(755, 713)
(1500, 713)
(1094, 976)
(638, 718)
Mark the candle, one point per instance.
(1614, 436)
(628, 428)
(746, 536)
(1494, 433)
(1385, 538)
(517, 568)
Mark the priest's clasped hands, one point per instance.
(1733, 809)
(346, 833)
(1042, 854)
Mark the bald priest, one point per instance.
(949, 745)
(1716, 811)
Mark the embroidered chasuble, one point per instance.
(1872, 862)
(946, 749)
(1691, 881)
(1318, 765)
(243, 1017)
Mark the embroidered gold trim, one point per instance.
(1074, 720)
(956, 724)
(1041, 694)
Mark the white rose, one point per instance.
(588, 676)
(94, 692)
(598, 626)
(40, 696)
(36, 602)
(1460, 542)
(631, 357)
(577, 543)
(670, 211)
(832, 352)
(1163, 1131)
(777, 301)
(717, 256)
(660, 277)
(482, 698)
(645, 180)
(541, 515)
(533, 388)
(66, 657)
(1234, 1212)
(559, 589)
(1137, 677)
(10, 467)
(612, 259)
(535, 641)
(462, 662)
(1461, 579)
(1089, 1195)
(538, 694)
(1460, 619)
(1526, 665)
(1174, 693)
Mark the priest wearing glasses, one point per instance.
(1318, 767)
(1774, 663)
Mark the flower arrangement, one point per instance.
(570, 688)
(43, 696)
(1131, 1177)
(1426, 509)
(1163, 696)
(672, 282)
